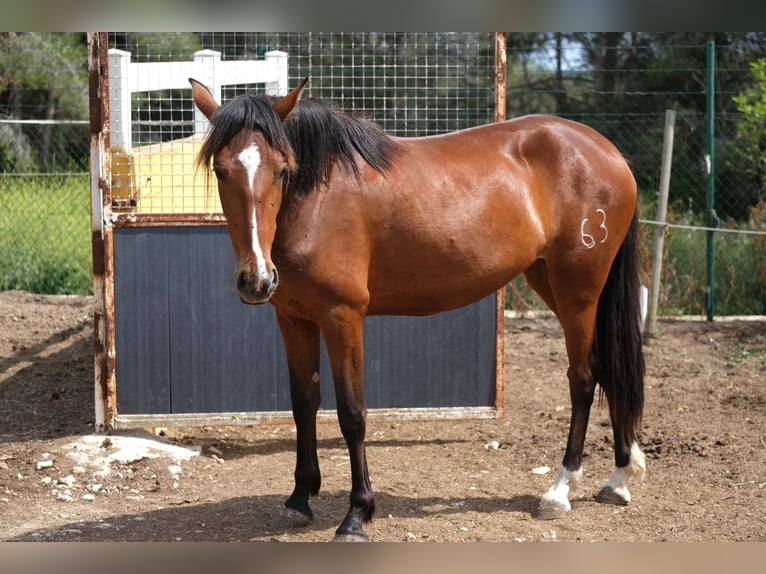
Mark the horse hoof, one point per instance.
(549, 509)
(293, 518)
(351, 538)
(618, 496)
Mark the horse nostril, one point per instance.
(274, 277)
(242, 280)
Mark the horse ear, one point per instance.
(203, 98)
(286, 105)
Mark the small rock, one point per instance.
(44, 464)
(549, 535)
(492, 445)
(68, 481)
(410, 537)
(88, 497)
(541, 470)
(65, 496)
(215, 451)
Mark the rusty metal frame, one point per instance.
(103, 221)
(500, 112)
(101, 230)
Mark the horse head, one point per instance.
(251, 157)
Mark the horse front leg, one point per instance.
(343, 335)
(301, 339)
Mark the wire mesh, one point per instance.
(413, 84)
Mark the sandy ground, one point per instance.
(703, 434)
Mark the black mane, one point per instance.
(317, 136)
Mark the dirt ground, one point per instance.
(703, 433)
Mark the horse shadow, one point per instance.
(260, 518)
(44, 394)
(239, 448)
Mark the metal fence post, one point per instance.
(712, 220)
(101, 227)
(501, 80)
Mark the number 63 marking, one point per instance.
(587, 239)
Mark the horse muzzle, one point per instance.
(254, 288)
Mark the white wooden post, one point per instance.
(206, 62)
(279, 87)
(119, 96)
(650, 329)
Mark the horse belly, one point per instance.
(431, 273)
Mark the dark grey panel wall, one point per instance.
(185, 343)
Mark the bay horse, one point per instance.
(332, 219)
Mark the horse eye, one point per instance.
(218, 173)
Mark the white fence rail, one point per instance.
(126, 78)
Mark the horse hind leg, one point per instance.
(630, 461)
(555, 501)
(577, 331)
(618, 353)
(615, 491)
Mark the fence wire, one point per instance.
(412, 84)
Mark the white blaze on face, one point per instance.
(250, 158)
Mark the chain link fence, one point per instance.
(413, 84)
(45, 207)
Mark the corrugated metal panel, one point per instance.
(185, 343)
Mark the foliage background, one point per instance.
(416, 84)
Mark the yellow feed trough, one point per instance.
(162, 179)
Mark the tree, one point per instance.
(750, 143)
(44, 76)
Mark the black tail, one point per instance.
(617, 349)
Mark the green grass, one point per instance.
(738, 279)
(45, 234)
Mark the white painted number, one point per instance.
(587, 239)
